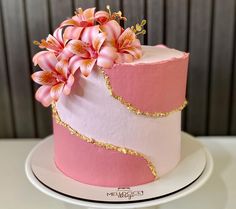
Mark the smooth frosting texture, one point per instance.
(92, 111)
(90, 164)
(156, 54)
(155, 83)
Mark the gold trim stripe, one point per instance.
(134, 109)
(104, 145)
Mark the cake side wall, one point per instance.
(158, 87)
(102, 119)
(95, 165)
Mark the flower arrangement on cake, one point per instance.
(90, 38)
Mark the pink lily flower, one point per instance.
(81, 19)
(103, 17)
(56, 43)
(55, 77)
(88, 18)
(90, 50)
(125, 41)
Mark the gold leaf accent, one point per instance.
(101, 144)
(135, 109)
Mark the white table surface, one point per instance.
(17, 193)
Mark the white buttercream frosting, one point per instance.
(157, 54)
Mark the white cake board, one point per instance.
(194, 169)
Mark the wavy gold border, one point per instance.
(134, 109)
(104, 145)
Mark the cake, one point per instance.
(116, 104)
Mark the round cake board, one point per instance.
(193, 170)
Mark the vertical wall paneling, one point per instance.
(114, 4)
(221, 66)
(134, 12)
(199, 47)
(232, 125)
(232, 121)
(38, 28)
(18, 66)
(176, 30)
(177, 24)
(155, 21)
(84, 4)
(6, 122)
(60, 10)
(205, 28)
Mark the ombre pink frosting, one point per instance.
(94, 165)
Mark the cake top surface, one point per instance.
(152, 54)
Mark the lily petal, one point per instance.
(56, 91)
(74, 63)
(58, 35)
(51, 44)
(44, 78)
(98, 41)
(112, 30)
(72, 33)
(124, 57)
(65, 54)
(88, 15)
(133, 48)
(46, 60)
(43, 95)
(69, 84)
(78, 47)
(107, 57)
(136, 43)
(35, 57)
(102, 17)
(86, 66)
(90, 33)
(135, 51)
(126, 38)
(80, 20)
(62, 68)
(69, 22)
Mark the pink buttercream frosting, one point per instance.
(94, 165)
(149, 84)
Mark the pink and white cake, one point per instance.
(116, 104)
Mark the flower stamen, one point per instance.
(138, 29)
(79, 11)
